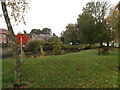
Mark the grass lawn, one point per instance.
(83, 69)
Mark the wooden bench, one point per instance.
(103, 50)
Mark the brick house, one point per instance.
(4, 36)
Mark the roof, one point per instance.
(4, 31)
(41, 36)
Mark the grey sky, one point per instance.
(53, 14)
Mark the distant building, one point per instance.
(4, 36)
(41, 36)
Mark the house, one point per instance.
(41, 36)
(4, 36)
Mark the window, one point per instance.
(3, 36)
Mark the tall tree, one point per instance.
(18, 10)
(118, 7)
(72, 28)
(112, 23)
(65, 37)
(86, 27)
(70, 35)
(98, 10)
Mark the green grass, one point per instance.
(84, 69)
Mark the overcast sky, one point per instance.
(53, 14)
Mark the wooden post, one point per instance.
(21, 49)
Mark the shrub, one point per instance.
(86, 46)
(41, 51)
(48, 46)
(72, 47)
(7, 54)
(28, 54)
(33, 46)
(57, 49)
(23, 54)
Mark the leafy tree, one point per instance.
(36, 31)
(72, 28)
(25, 32)
(18, 10)
(65, 36)
(54, 38)
(98, 10)
(43, 31)
(70, 35)
(118, 7)
(57, 48)
(46, 31)
(86, 27)
(113, 23)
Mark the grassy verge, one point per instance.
(84, 69)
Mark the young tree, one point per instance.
(18, 10)
(57, 48)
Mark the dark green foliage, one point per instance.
(57, 48)
(86, 27)
(43, 31)
(72, 47)
(33, 46)
(54, 38)
(46, 31)
(48, 46)
(70, 35)
(7, 54)
(86, 46)
(35, 31)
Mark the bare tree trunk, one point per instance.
(15, 46)
(101, 44)
(107, 43)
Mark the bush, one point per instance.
(48, 46)
(57, 49)
(33, 46)
(86, 46)
(72, 47)
(7, 54)
(41, 51)
(23, 54)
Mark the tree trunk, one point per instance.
(107, 43)
(101, 44)
(113, 44)
(15, 46)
